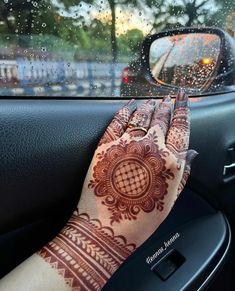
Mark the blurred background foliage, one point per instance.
(95, 29)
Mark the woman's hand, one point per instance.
(141, 164)
(138, 170)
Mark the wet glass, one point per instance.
(186, 60)
(92, 48)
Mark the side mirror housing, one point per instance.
(198, 59)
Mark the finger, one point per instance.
(119, 123)
(191, 155)
(177, 140)
(162, 115)
(141, 118)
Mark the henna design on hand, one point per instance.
(141, 118)
(162, 115)
(85, 253)
(178, 138)
(119, 123)
(132, 177)
(178, 135)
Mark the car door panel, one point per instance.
(46, 149)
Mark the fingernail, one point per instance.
(151, 102)
(131, 105)
(166, 102)
(181, 94)
(167, 98)
(131, 101)
(181, 99)
(191, 155)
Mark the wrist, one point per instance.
(86, 253)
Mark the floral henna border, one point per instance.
(85, 253)
(131, 177)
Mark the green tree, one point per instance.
(134, 39)
(24, 18)
(131, 41)
(12, 13)
(220, 18)
(171, 14)
(112, 4)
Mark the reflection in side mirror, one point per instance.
(185, 60)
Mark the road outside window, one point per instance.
(89, 48)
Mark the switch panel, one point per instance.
(168, 265)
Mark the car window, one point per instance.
(91, 48)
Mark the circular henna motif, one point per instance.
(130, 178)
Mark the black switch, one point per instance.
(165, 269)
(168, 265)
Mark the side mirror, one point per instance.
(198, 59)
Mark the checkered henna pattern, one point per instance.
(131, 178)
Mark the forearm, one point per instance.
(83, 256)
(85, 253)
(34, 274)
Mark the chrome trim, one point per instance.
(228, 167)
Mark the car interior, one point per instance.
(47, 143)
(42, 173)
